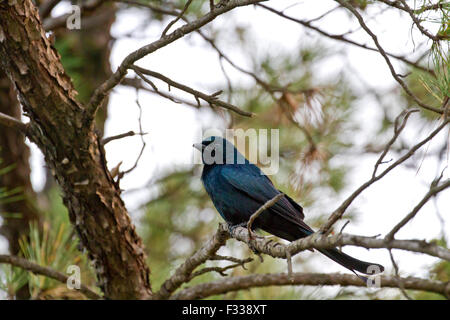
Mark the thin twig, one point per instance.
(397, 130)
(13, 123)
(265, 206)
(184, 272)
(218, 257)
(220, 270)
(431, 193)
(340, 37)
(386, 58)
(103, 90)
(122, 135)
(166, 29)
(401, 285)
(417, 22)
(211, 99)
(337, 214)
(121, 174)
(137, 84)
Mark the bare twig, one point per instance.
(417, 22)
(265, 206)
(188, 3)
(401, 285)
(431, 193)
(402, 5)
(150, 6)
(386, 58)
(229, 258)
(122, 135)
(437, 6)
(121, 174)
(337, 214)
(397, 130)
(340, 37)
(45, 271)
(221, 270)
(102, 91)
(320, 241)
(137, 84)
(211, 99)
(12, 122)
(184, 272)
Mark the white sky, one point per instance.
(173, 128)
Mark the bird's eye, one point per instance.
(213, 153)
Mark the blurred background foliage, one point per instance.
(318, 120)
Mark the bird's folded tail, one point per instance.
(353, 264)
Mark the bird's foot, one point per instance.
(231, 227)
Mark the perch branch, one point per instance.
(13, 123)
(102, 91)
(45, 271)
(222, 286)
(211, 99)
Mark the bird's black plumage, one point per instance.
(238, 188)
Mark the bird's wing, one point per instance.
(296, 206)
(258, 187)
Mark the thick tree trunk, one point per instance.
(91, 45)
(61, 129)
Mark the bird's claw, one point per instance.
(231, 227)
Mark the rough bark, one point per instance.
(91, 45)
(230, 284)
(73, 153)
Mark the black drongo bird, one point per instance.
(238, 188)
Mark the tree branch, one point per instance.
(318, 241)
(211, 99)
(184, 272)
(431, 193)
(340, 37)
(397, 131)
(222, 286)
(386, 58)
(13, 123)
(121, 136)
(45, 271)
(265, 206)
(120, 73)
(402, 5)
(337, 214)
(178, 17)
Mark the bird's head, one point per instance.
(216, 150)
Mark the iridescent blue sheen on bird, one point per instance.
(238, 188)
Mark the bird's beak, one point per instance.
(198, 146)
